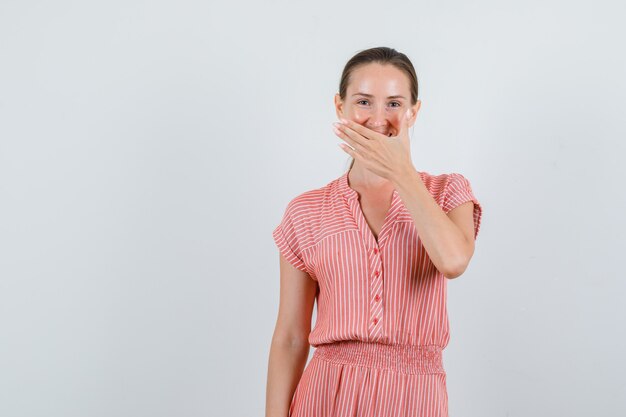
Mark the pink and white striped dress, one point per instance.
(382, 320)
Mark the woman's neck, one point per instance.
(362, 178)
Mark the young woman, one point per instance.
(375, 247)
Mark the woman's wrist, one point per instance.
(404, 175)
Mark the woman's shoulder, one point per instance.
(439, 182)
(432, 181)
(444, 187)
(314, 198)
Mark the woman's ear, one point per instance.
(338, 106)
(416, 107)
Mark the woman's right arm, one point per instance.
(289, 350)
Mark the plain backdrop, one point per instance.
(149, 148)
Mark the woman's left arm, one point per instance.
(448, 238)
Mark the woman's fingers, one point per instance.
(364, 133)
(354, 139)
(404, 125)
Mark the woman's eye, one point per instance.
(393, 102)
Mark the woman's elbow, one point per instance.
(457, 269)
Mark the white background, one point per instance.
(149, 148)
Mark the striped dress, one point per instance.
(382, 320)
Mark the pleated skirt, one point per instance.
(362, 379)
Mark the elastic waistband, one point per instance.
(407, 359)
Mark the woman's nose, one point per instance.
(378, 116)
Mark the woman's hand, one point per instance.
(387, 157)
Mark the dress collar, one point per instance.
(344, 187)
(350, 193)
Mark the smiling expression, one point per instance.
(377, 97)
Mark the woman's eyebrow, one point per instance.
(369, 95)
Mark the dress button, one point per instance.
(376, 273)
(375, 320)
(377, 298)
(375, 250)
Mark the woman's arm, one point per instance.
(290, 346)
(448, 238)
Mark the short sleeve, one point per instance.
(286, 238)
(458, 191)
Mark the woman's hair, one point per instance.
(381, 55)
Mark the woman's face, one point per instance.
(377, 97)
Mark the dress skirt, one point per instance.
(353, 378)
